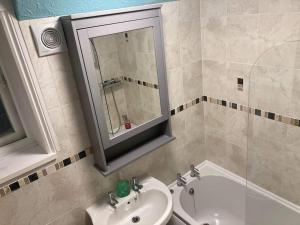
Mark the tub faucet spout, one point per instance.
(181, 181)
(194, 171)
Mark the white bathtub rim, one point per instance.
(208, 168)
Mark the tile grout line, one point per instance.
(26, 180)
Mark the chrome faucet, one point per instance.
(194, 171)
(135, 185)
(181, 181)
(112, 199)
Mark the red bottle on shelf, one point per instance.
(127, 122)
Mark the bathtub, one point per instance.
(220, 197)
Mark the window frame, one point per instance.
(26, 95)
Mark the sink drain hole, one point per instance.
(136, 219)
(205, 224)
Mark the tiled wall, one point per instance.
(205, 56)
(137, 57)
(62, 196)
(108, 66)
(130, 58)
(254, 39)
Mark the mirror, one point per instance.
(119, 64)
(126, 69)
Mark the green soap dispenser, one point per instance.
(123, 188)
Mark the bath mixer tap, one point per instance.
(135, 185)
(112, 199)
(181, 181)
(194, 171)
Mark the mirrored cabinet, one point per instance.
(118, 59)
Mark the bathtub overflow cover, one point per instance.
(136, 219)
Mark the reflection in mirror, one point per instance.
(11, 128)
(127, 77)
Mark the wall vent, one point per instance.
(49, 38)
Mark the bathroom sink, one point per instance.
(152, 206)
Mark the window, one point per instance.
(26, 137)
(11, 128)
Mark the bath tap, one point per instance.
(135, 185)
(112, 199)
(194, 171)
(181, 181)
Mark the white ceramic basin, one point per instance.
(152, 206)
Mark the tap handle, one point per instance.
(136, 183)
(180, 177)
(111, 194)
(193, 168)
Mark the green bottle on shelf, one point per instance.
(123, 188)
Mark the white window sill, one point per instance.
(14, 163)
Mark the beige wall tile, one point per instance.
(27, 206)
(267, 129)
(290, 184)
(242, 38)
(51, 96)
(292, 141)
(213, 8)
(276, 30)
(77, 216)
(190, 41)
(175, 85)
(215, 80)
(214, 44)
(263, 172)
(271, 88)
(170, 18)
(227, 124)
(274, 167)
(189, 10)
(237, 7)
(227, 155)
(214, 117)
(173, 59)
(195, 129)
(278, 6)
(192, 81)
(243, 50)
